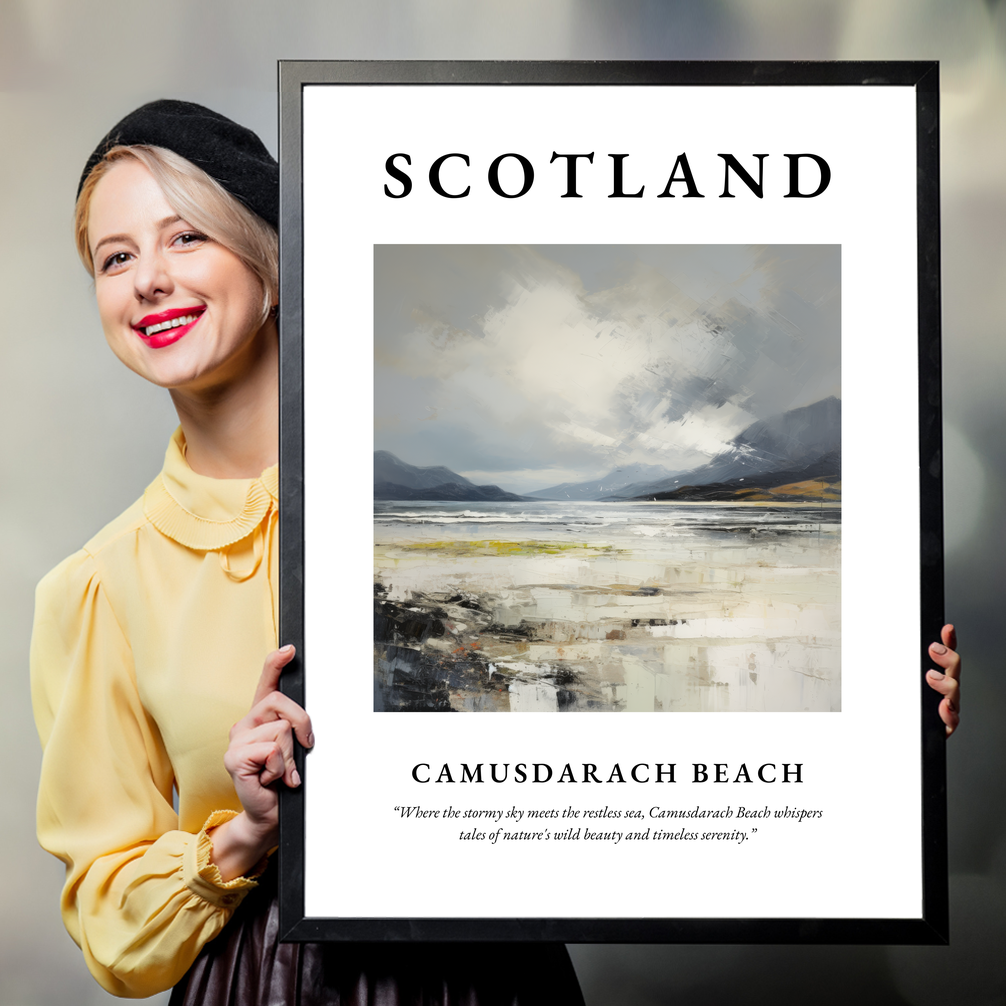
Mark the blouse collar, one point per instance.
(204, 513)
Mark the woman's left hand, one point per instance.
(947, 682)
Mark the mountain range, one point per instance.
(796, 455)
(616, 480)
(798, 446)
(802, 445)
(395, 479)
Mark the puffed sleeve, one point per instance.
(141, 898)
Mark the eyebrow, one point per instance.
(111, 238)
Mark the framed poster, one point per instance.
(650, 353)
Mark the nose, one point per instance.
(152, 276)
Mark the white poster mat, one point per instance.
(862, 857)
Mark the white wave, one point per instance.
(638, 520)
(469, 519)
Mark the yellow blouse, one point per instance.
(147, 647)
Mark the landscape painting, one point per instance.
(607, 478)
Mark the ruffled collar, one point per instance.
(203, 513)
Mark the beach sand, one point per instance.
(744, 617)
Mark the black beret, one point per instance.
(230, 154)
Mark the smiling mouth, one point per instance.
(185, 319)
(166, 322)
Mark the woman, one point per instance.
(148, 643)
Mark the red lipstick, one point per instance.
(166, 327)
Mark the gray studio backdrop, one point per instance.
(82, 436)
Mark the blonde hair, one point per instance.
(199, 200)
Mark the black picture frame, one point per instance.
(931, 925)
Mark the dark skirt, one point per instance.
(246, 965)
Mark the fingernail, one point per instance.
(310, 740)
(295, 777)
(936, 675)
(287, 649)
(938, 648)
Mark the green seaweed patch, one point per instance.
(504, 548)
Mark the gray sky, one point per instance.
(529, 366)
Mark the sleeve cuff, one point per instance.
(202, 876)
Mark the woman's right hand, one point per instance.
(259, 754)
